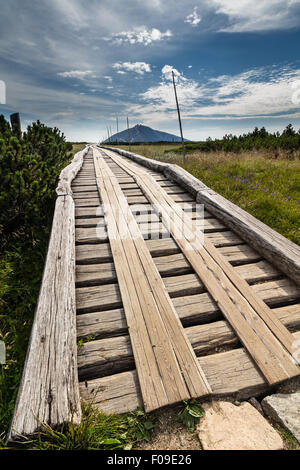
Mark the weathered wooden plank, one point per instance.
(172, 265)
(284, 254)
(85, 212)
(91, 202)
(97, 298)
(49, 391)
(238, 254)
(113, 322)
(149, 361)
(89, 235)
(98, 234)
(83, 188)
(89, 222)
(267, 342)
(102, 357)
(68, 174)
(89, 254)
(84, 195)
(180, 374)
(231, 373)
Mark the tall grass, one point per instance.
(97, 431)
(265, 186)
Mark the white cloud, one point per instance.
(190, 66)
(79, 74)
(161, 96)
(252, 93)
(255, 93)
(193, 19)
(137, 67)
(108, 77)
(167, 72)
(245, 15)
(140, 35)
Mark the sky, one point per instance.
(77, 64)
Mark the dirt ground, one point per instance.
(168, 434)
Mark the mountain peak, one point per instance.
(141, 133)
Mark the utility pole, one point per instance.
(117, 127)
(179, 118)
(128, 132)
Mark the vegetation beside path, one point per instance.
(265, 184)
(29, 169)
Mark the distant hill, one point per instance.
(140, 133)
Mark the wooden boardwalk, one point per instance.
(171, 303)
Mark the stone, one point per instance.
(256, 405)
(284, 408)
(229, 427)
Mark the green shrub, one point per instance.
(29, 169)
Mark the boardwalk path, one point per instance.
(166, 315)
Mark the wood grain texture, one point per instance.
(281, 252)
(101, 357)
(68, 174)
(266, 339)
(180, 374)
(230, 373)
(49, 391)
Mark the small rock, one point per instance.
(256, 405)
(284, 409)
(229, 427)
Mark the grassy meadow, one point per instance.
(264, 184)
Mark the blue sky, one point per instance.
(76, 64)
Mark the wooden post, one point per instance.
(16, 124)
(179, 118)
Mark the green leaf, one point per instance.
(127, 447)
(109, 442)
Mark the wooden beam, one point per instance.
(268, 339)
(157, 310)
(49, 391)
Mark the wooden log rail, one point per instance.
(49, 389)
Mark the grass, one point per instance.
(288, 438)
(97, 431)
(266, 187)
(77, 147)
